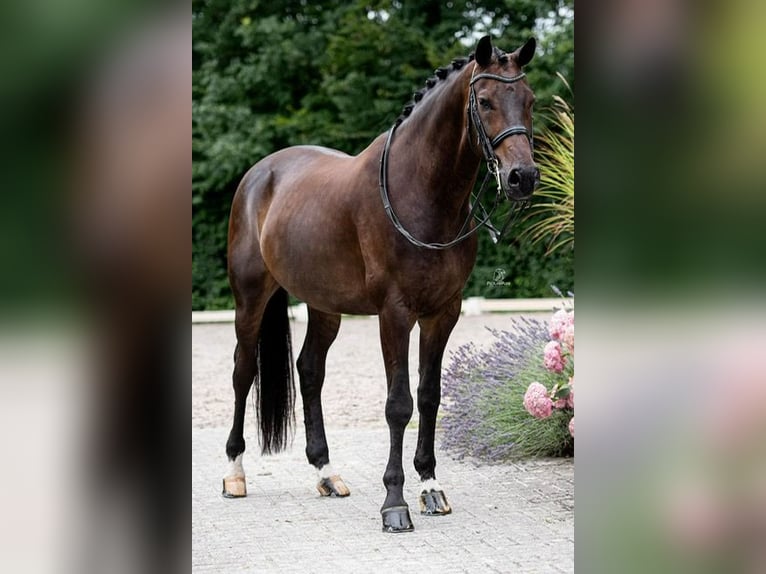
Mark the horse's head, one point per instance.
(500, 113)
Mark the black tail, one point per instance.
(274, 382)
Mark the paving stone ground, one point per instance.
(516, 517)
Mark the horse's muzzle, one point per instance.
(522, 182)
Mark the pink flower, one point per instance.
(537, 402)
(567, 337)
(559, 322)
(560, 404)
(552, 357)
(571, 426)
(570, 398)
(566, 402)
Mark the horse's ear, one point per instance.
(484, 51)
(524, 54)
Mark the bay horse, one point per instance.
(387, 232)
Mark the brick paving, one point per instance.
(516, 517)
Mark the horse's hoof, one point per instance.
(234, 487)
(397, 519)
(333, 486)
(434, 503)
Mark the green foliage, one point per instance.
(267, 75)
(528, 269)
(554, 207)
(507, 419)
(211, 286)
(483, 390)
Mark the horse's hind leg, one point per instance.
(434, 333)
(250, 308)
(320, 334)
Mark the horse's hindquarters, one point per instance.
(308, 235)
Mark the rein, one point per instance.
(487, 146)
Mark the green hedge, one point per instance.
(267, 75)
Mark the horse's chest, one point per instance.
(434, 281)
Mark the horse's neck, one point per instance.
(433, 143)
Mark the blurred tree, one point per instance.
(272, 74)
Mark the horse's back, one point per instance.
(278, 171)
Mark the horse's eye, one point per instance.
(484, 103)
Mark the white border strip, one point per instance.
(213, 316)
(471, 306)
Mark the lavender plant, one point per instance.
(483, 390)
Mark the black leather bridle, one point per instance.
(486, 144)
(487, 147)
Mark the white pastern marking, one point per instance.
(235, 467)
(326, 471)
(429, 485)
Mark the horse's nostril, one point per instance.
(514, 179)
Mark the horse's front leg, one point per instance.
(434, 333)
(395, 327)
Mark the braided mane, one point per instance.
(439, 75)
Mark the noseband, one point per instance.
(493, 167)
